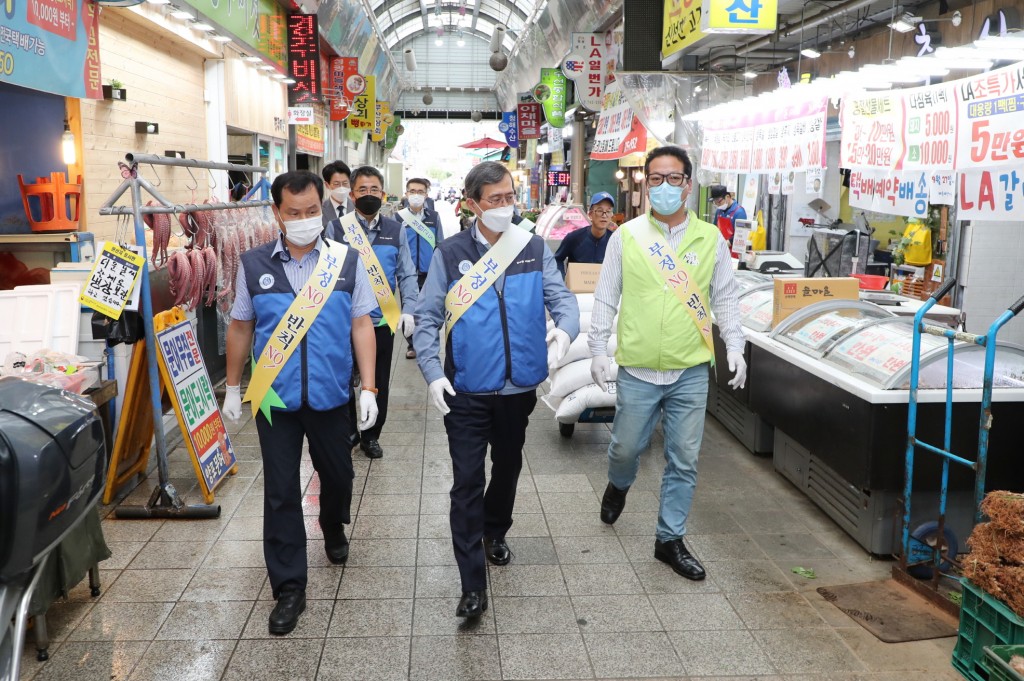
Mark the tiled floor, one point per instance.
(186, 600)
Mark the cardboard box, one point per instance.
(794, 294)
(582, 277)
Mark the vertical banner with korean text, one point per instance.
(586, 66)
(364, 106)
(528, 116)
(304, 59)
(509, 127)
(619, 132)
(342, 68)
(551, 92)
(680, 26)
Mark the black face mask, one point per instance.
(368, 205)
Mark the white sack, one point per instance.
(587, 397)
(576, 375)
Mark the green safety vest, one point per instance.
(654, 330)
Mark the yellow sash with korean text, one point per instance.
(663, 261)
(418, 225)
(482, 275)
(356, 238)
(292, 328)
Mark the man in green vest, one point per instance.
(667, 266)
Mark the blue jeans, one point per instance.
(681, 405)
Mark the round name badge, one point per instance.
(266, 281)
(465, 266)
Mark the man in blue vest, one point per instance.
(726, 207)
(338, 178)
(588, 244)
(391, 247)
(497, 351)
(423, 231)
(667, 267)
(308, 397)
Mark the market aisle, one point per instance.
(580, 600)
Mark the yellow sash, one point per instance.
(293, 326)
(676, 277)
(356, 237)
(481, 276)
(421, 228)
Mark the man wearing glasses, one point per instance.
(422, 230)
(727, 211)
(388, 266)
(588, 245)
(667, 266)
(488, 287)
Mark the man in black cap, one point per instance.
(588, 245)
(725, 207)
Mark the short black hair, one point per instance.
(418, 180)
(332, 169)
(670, 150)
(718, 191)
(366, 171)
(296, 182)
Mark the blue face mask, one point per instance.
(666, 199)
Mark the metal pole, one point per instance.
(155, 160)
(292, 161)
(579, 144)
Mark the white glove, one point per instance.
(367, 409)
(738, 367)
(600, 370)
(437, 390)
(406, 324)
(558, 344)
(232, 408)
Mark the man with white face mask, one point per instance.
(338, 178)
(423, 231)
(488, 286)
(666, 266)
(298, 300)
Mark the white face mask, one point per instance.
(340, 194)
(498, 219)
(416, 200)
(303, 232)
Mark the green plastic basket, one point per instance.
(985, 621)
(997, 659)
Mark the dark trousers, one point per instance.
(474, 422)
(382, 382)
(284, 532)
(420, 278)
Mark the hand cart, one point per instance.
(589, 415)
(930, 550)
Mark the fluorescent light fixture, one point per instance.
(266, 67)
(220, 38)
(924, 66)
(749, 75)
(438, 42)
(202, 26)
(810, 53)
(253, 60)
(962, 58)
(182, 14)
(1011, 41)
(697, 89)
(67, 145)
(905, 24)
(278, 76)
(158, 2)
(999, 53)
(288, 81)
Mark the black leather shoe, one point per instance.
(472, 604)
(682, 561)
(372, 449)
(612, 503)
(285, 615)
(497, 551)
(336, 545)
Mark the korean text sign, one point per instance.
(739, 16)
(112, 280)
(528, 116)
(586, 65)
(551, 92)
(304, 59)
(619, 132)
(195, 405)
(680, 26)
(342, 69)
(51, 45)
(364, 106)
(509, 126)
(894, 193)
(776, 141)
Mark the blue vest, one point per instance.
(319, 371)
(419, 248)
(501, 337)
(386, 248)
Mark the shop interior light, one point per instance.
(965, 58)
(906, 23)
(182, 14)
(253, 60)
(620, 175)
(638, 176)
(288, 81)
(810, 53)
(266, 67)
(999, 53)
(158, 2)
(202, 26)
(278, 76)
(697, 90)
(925, 66)
(220, 38)
(67, 145)
(997, 41)
(749, 75)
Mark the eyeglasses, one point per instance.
(603, 213)
(416, 192)
(339, 184)
(363, 191)
(674, 179)
(500, 200)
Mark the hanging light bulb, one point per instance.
(67, 145)
(638, 176)
(619, 174)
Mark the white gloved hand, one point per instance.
(738, 367)
(437, 390)
(406, 324)
(600, 370)
(232, 408)
(558, 344)
(367, 409)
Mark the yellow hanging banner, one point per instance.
(356, 238)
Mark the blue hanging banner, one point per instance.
(510, 127)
